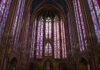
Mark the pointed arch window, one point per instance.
(80, 25)
(56, 38)
(48, 28)
(63, 40)
(95, 13)
(49, 41)
(17, 24)
(48, 50)
(39, 49)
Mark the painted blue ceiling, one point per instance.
(35, 3)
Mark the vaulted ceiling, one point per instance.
(61, 3)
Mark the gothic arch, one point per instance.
(54, 6)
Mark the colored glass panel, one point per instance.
(19, 23)
(48, 50)
(48, 28)
(63, 39)
(4, 9)
(80, 25)
(39, 49)
(56, 38)
(95, 13)
(48, 33)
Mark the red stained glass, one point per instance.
(45, 26)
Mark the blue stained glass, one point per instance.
(80, 25)
(19, 22)
(16, 18)
(48, 33)
(95, 13)
(4, 7)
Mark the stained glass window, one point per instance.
(95, 13)
(48, 25)
(17, 24)
(63, 40)
(39, 49)
(16, 18)
(4, 9)
(80, 25)
(45, 29)
(56, 38)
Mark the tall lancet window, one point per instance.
(95, 13)
(63, 39)
(17, 24)
(40, 33)
(4, 9)
(59, 42)
(48, 34)
(80, 25)
(48, 38)
(48, 30)
(56, 38)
